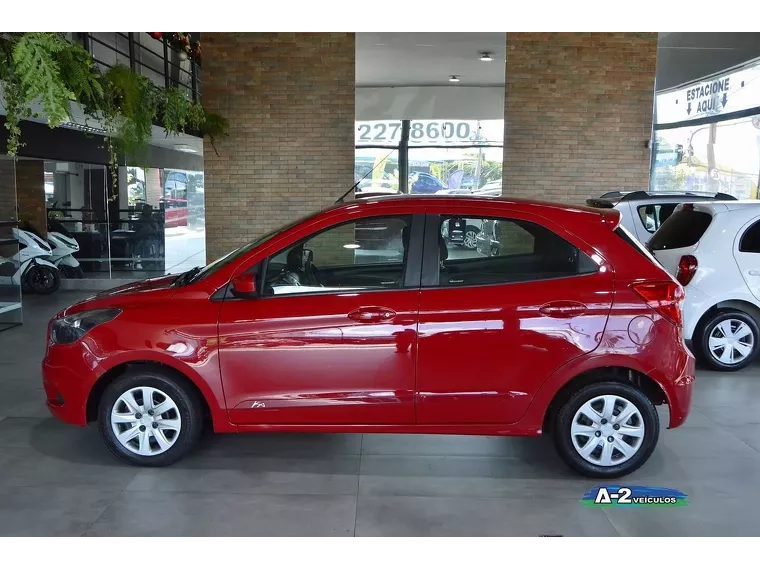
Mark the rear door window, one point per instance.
(682, 229)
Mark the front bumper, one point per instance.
(68, 374)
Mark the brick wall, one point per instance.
(289, 98)
(7, 192)
(578, 113)
(30, 190)
(153, 190)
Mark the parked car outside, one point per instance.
(713, 249)
(424, 183)
(466, 235)
(643, 212)
(296, 332)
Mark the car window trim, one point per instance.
(412, 268)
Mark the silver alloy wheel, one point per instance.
(470, 239)
(731, 341)
(607, 430)
(146, 421)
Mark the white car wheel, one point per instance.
(146, 421)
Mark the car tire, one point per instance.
(575, 432)
(470, 237)
(741, 326)
(147, 438)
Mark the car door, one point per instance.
(747, 255)
(331, 338)
(493, 327)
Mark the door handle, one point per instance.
(371, 314)
(754, 273)
(563, 309)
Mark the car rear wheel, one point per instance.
(471, 237)
(728, 341)
(606, 430)
(147, 418)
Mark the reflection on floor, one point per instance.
(60, 480)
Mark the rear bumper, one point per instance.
(694, 307)
(678, 391)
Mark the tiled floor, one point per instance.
(60, 480)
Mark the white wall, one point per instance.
(429, 103)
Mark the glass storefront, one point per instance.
(152, 224)
(707, 136)
(458, 157)
(10, 259)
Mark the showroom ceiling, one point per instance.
(402, 59)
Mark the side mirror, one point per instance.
(244, 286)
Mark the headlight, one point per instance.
(71, 328)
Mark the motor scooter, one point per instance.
(63, 247)
(30, 268)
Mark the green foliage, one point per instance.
(47, 69)
(130, 103)
(38, 74)
(76, 66)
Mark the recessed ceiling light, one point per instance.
(454, 79)
(185, 148)
(486, 56)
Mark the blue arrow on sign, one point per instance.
(725, 99)
(688, 108)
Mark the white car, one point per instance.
(642, 213)
(713, 249)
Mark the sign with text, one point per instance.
(730, 92)
(431, 133)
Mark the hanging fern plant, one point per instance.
(48, 70)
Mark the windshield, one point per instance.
(240, 251)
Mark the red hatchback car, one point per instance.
(570, 328)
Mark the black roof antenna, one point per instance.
(356, 185)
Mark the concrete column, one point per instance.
(578, 113)
(289, 98)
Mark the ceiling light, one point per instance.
(485, 56)
(83, 128)
(185, 148)
(454, 79)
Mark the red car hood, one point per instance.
(156, 283)
(113, 296)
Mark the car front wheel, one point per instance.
(147, 418)
(606, 430)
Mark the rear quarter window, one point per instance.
(682, 229)
(626, 236)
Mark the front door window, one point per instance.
(366, 254)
